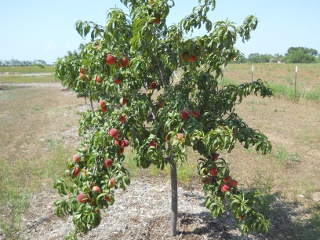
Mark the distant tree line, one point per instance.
(293, 55)
(16, 62)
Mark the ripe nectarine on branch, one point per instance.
(110, 59)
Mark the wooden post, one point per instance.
(295, 84)
(252, 69)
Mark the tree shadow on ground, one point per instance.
(192, 226)
(288, 221)
(291, 220)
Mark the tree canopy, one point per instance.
(127, 72)
(301, 55)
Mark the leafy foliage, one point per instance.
(301, 55)
(120, 70)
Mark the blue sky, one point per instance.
(33, 29)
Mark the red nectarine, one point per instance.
(214, 171)
(227, 179)
(153, 85)
(112, 182)
(117, 81)
(157, 20)
(123, 101)
(225, 188)
(82, 198)
(107, 198)
(215, 156)
(122, 118)
(98, 79)
(180, 136)
(76, 158)
(125, 62)
(113, 133)
(82, 70)
(125, 143)
(192, 58)
(184, 114)
(233, 183)
(110, 59)
(195, 113)
(75, 172)
(96, 189)
(121, 150)
(108, 162)
(82, 76)
(102, 103)
(117, 142)
(104, 109)
(153, 143)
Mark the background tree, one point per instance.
(127, 68)
(253, 57)
(277, 58)
(39, 62)
(240, 59)
(16, 62)
(301, 55)
(260, 58)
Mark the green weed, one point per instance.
(313, 94)
(264, 180)
(13, 204)
(281, 154)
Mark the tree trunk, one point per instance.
(174, 197)
(91, 103)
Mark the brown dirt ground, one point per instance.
(142, 212)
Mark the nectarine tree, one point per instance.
(135, 56)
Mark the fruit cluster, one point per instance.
(186, 57)
(111, 60)
(215, 175)
(122, 62)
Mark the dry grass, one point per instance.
(25, 69)
(35, 125)
(27, 74)
(281, 77)
(293, 161)
(27, 79)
